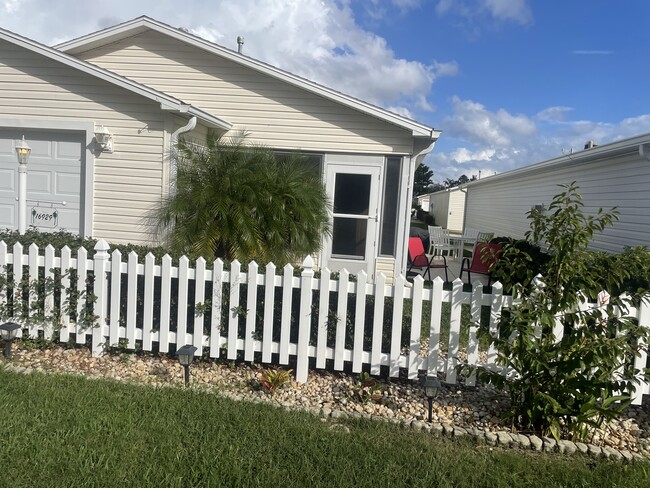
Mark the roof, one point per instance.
(144, 23)
(634, 145)
(167, 102)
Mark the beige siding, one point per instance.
(274, 112)
(387, 266)
(126, 183)
(501, 205)
(456, 215)
(439, 207)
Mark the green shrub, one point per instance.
(566, 385)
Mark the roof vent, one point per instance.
(184, 29)
(240, 44)
(590, 144)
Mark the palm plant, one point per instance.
(238, 201)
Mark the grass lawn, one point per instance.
(70, 431)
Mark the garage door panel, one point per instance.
(40, 149)
(7, 215)
(67, 150)
(39, 183)
(7, 147)
(67, 185)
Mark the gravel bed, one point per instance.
(457, 411)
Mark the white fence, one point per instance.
(267, 316)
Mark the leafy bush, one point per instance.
(565, 385)
(273, 379)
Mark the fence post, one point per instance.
(304, 324)
(101, 292)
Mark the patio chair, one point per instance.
(480, 237)
(485, 254)
(439, 241)
(417, 258)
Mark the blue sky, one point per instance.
(509, 82)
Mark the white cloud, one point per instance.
(497, 141)
(592, 52)
(317, 39)
(11, 6)
(517, 11)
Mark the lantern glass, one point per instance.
(186, 355)
(9, 331)
(23, 151)
(431, 386)
(102, 134)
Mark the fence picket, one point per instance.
(416, 327)
(285, 318)
(233, 305)
(82, 277)
(183, 292)
(360, 321)
(251, 313)
(66, 259)
(472, 341)
(165, 302)
(641, 360)
(147, 320)
(199, 299)
(433, 358)
(396, 328)
(378, 324)
(100, 291)
(495, 314)
(215, 323)
(4, 261)
(341, 320)
(454, 331)
(304, 320)
(32, 294)
(48, 306)
(269, 304)
(323, 318)
(131, 301)
(116, 296)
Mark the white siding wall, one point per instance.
(127, 182)
(272, 111)
(500, 205)
(456, 211)
(439, 207)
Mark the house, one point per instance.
(147, 84)
(448, 208)
(611, 175)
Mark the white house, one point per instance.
(448, 208)
(611, 175)
(147, 84)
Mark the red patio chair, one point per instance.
(485, 254)
(419, 259)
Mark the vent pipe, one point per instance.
(590, 144)
(240, 44)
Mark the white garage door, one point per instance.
(53, 179)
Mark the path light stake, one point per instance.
(431, 385)
(185, 357)
(8, 330)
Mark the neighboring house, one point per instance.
(423, 201)
(612, 175)
(148, 84)
(448, 208)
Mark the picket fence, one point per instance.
(269, 317)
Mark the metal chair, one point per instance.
(417, 258)
(485, 255)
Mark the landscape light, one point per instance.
(185, 357)
(8, 331)
(431, 385)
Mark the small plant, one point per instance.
(368, 389)
(273, 379)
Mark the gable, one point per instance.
(274, 112)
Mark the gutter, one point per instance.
(173, 160)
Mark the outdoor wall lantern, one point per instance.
(22, 151)
(185, 357)
(431, 385)
(104, 138)
(8, 332)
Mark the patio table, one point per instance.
(458, 241)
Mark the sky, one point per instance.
(508, 82)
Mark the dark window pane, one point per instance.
(352, 194)
(389, 213)
(314, 161)
(349, 237)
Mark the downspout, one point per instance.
(413, 164)
(173, 151)
(644, 151)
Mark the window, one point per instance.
(389, 212)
